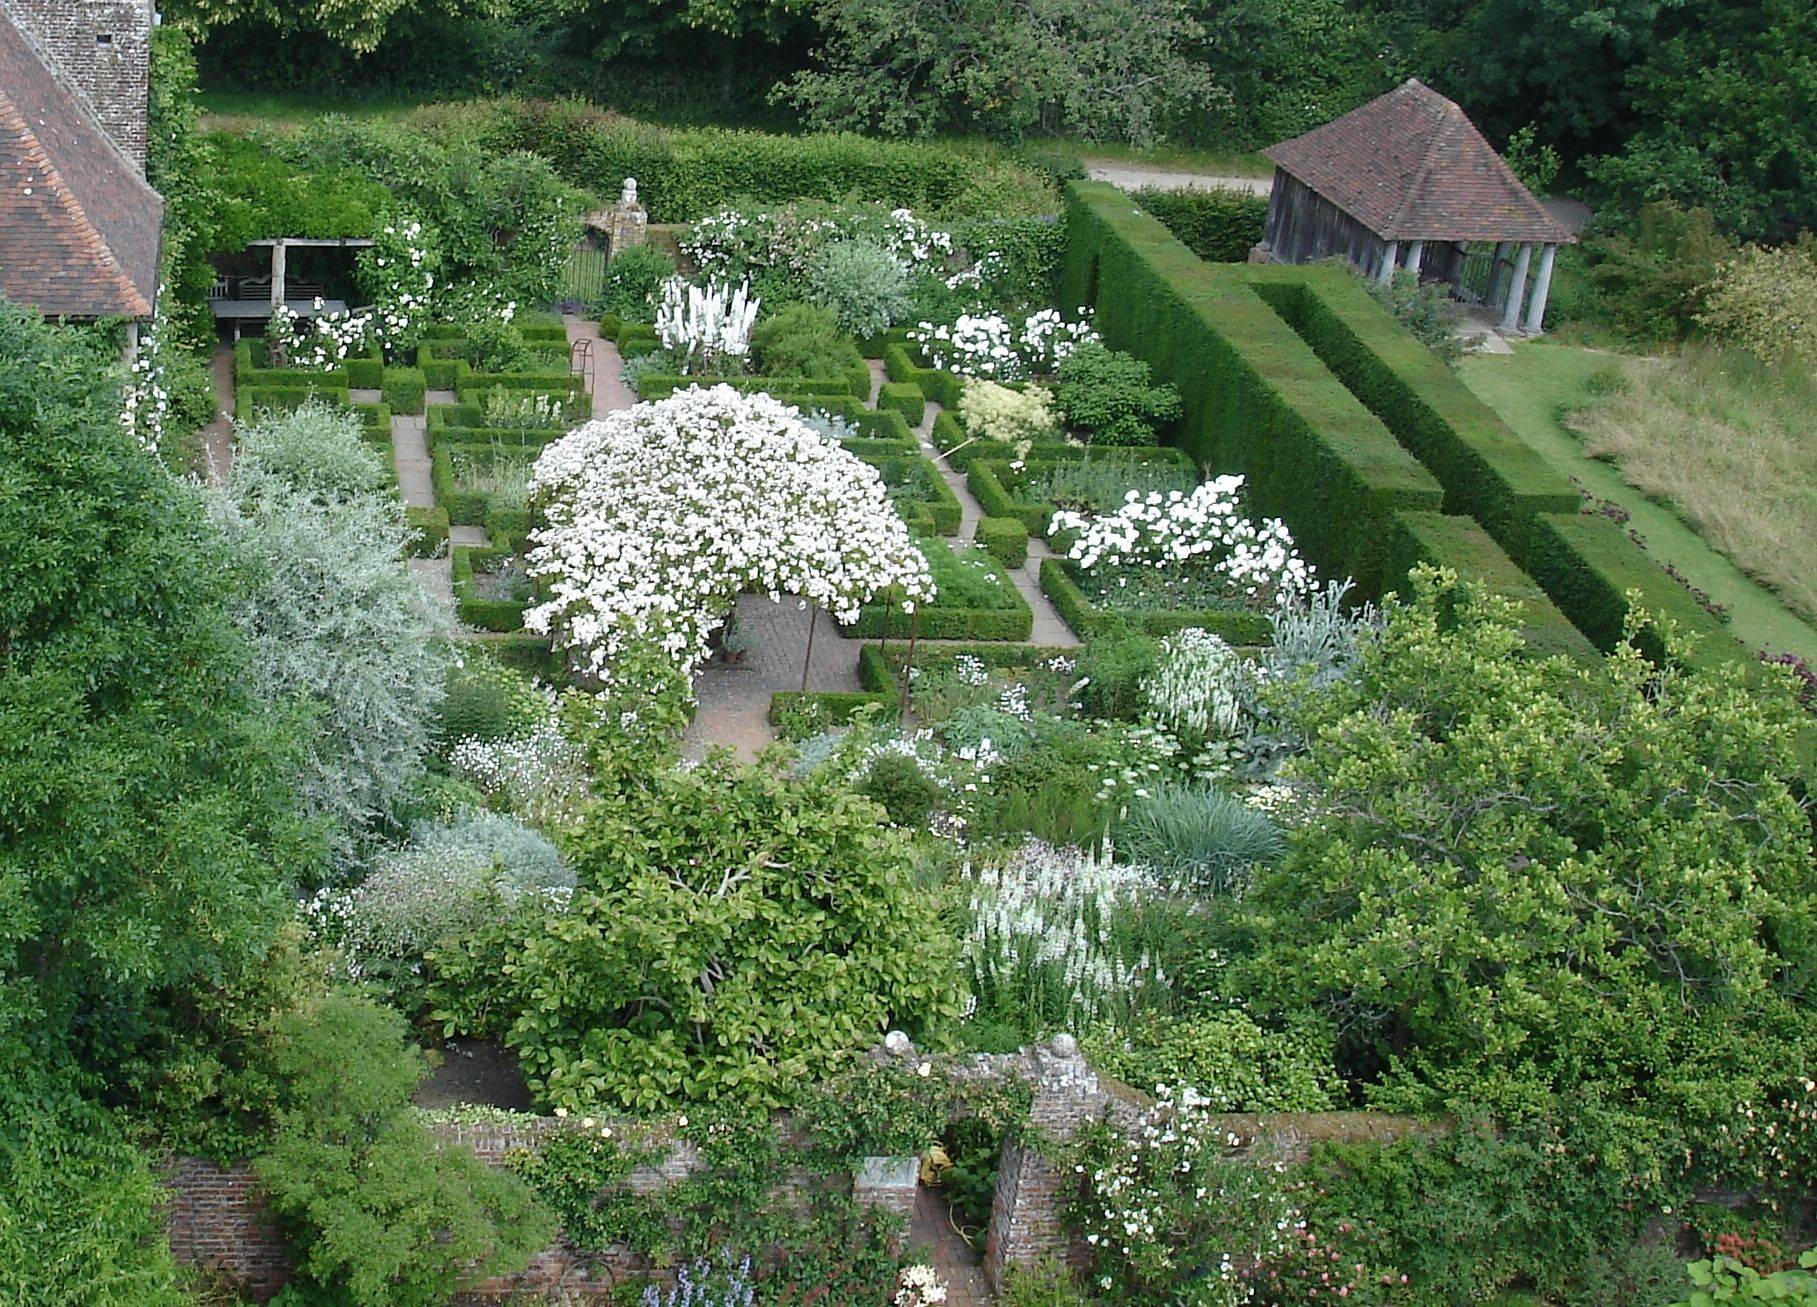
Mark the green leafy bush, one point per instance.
(1423, 307)
(1612, 933)
(495, 345)
(1765, 300)
(1109, 397)
(1227, 1058)
(710, 901)
(404, 389)
(376, 1208)
(801, 340)
(1113, 667)
(1724, 1279)
(864, 285)
(634, 281)
(1649, 280)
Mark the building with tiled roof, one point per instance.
(80, 229)
(1407, 181)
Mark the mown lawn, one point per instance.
(1539, 381)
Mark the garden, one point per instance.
(1243, 732)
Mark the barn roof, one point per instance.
(79, 227)
(1410, 166)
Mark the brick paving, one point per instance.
(735, 700)
(959, 1264)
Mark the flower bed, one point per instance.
(473, 479)
(1067, 585)
(491, 588)
(1002, 488)
(917, 489)
(974, 600)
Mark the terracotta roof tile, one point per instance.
(79, 227)
(1410, 166)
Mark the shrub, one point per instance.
(658, 985)
(800, 341)
(1765, 300)
(898, 786)
(989, 411)
(1490, 818)
(1423, 307)
(1109, 398)
(1650, 281)
(404, 389)
(1226, 1059)
(1004, 538)
(1220, 226)
(338, 628)
(865, 286)
(495, 345)
(378, 1211)
(1114, 668)
(486, 700)
(1198, 836)
(905, 398)
(634, 282)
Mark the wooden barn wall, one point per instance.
(1303, 226)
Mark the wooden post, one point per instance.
(808, 659)
(908, 668)
(277, 275)
(1415, 254)
(1386, 274)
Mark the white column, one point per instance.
(1386, 273)
(1414, 255)
(1536, 306)
(1517, 289)
(1493, 289)
(277, 275)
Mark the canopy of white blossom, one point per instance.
(659, 516)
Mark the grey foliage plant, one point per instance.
(1198, 838)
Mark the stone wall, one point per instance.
(104, 48)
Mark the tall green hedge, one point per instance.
(1220, 226)
(1257, 399)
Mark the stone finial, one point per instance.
(899, 1044)
(627, 224)
(1064, 1045)
(629, 194)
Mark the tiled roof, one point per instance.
(1410, 166)
(79, 227)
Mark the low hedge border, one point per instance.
(405, 390)
(879, 666)
(810, 712)
(940, 504)
(904, 397)
(1060, 584)
(661, 385)
(485, 614)
(886, 618)
(465, 507)
(986, 479)
(961, 451)
(251, 400)
(936, 384)
(875, 424)
(1004, 538)
(431, 530)
(521, 651)
(473, 387)
(1461, 543)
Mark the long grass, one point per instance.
(1730, 444)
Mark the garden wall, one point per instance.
(218, 1223)
(1371, 450)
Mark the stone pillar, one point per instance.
(627, 224)
(1414, 256)
(1517, 289)
(1492, 291)
(1032, 1190)
(1386, 273)
(1535, 322)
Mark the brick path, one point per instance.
(735, 701)
(959, 1264)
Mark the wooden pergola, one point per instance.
(238, 309)
(1407, 181)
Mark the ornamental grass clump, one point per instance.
(1184, 550)
(658, 517)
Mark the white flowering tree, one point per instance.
(659, 516)
(1198, 546)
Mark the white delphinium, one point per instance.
(659, 516)
(706, 327)
(1197, 686)
(1045, 935)
(1205, 530)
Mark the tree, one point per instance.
(339, 630)
(735, 935)
(147, 829)
(1543, 888)
(360, 25)
(1104, 69)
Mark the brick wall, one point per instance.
(104, 48)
